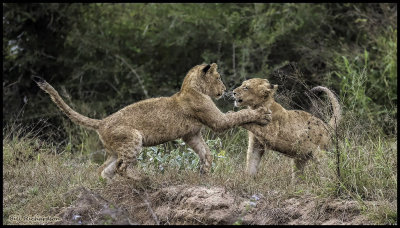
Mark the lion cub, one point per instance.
(157, 120)
(294, 133)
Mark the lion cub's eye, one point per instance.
(245, 88)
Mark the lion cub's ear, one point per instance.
(214, 67)
(271, 92)
(206, 68)
(267, 92)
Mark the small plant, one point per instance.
(179, 156)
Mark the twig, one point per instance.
(148, 205)
(233, 60)
(219, 51)
(196, 218)
(151, 210)
(337, 156)
(113, 87)
(199, 220)
(135, 73)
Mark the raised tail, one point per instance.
(334, 121)
(74, 116)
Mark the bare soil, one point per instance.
(125, 202)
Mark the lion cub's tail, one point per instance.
(334, 121)
(74, 116)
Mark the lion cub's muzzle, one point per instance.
(220, 94)
(238, 99)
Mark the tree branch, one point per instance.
(135, 73)
(233, 60)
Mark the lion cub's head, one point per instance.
(205, 79)
(254, 92)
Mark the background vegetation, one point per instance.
(102, 57)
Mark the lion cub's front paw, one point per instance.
(265, 115)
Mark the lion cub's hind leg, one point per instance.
(107, 169)
(197, 143)
(255, 151)
(109, 172)
(127, 144)
(105, 164)
(298, 170)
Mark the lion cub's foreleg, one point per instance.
(255, 151)
(197, 143)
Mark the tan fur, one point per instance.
(294, 133)
(157, 120)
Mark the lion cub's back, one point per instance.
(307, 128)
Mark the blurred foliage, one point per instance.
(102, 57)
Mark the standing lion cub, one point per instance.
(294, 133)
(157, 120)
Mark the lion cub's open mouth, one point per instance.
(238, 102)
(237, 99)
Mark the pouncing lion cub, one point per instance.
(294, 133)
(157, 120)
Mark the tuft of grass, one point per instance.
(368, 88)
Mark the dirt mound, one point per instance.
(180, 204)
(185, 204)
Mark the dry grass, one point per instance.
(37, 175)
